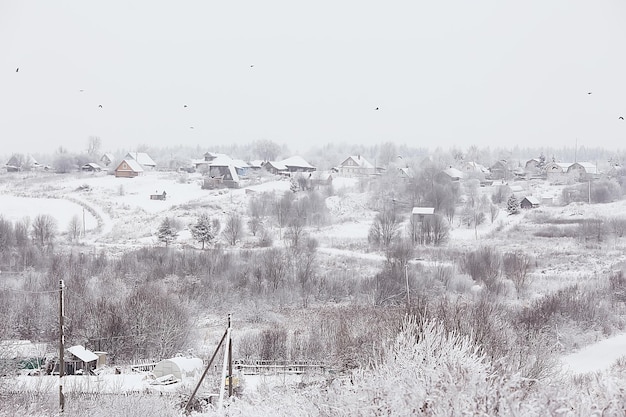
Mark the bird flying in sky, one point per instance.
(621, 117)
(17, 69)
(100, 105)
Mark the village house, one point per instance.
(534, 166)
(474, 170)
(275, 168)
(19, 162)
(128, 168)
(143, 158)
(500, 170)
(297, 164)
(451, 174)
(356, 166)
(564, 173)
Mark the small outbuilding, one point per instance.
(81, 361)
(529, 202)
(91, 167)
(179, 367)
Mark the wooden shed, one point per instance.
(529, 202)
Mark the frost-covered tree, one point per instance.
(202, 230)
(167, 231)
(512, 204)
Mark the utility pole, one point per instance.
(230, 361)
(408, 293)
(61, 347)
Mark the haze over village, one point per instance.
(336, 209)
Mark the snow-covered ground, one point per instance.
(596, 357)
(119, 211)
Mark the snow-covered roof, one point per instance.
(240, 163)
(221, 161)
(83, 354)
(256, 163)
(531, 200)
(21, 349)
(475, 167)
(107, 155)
(423, 210)
(359, 161)
(589, 167)
(132, 164)
(454, 173)
(92, 165)
(277, 165)
(141, 157)
(296, 161)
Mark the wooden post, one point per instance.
(230, 362)
(408, 294)
(193, 394)
(61, 348)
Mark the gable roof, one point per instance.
(107, 156)
(359, 161)
(532, 200)
(92, 165)
(132, 164)
(453, 173)
(279, 166)
(588, 166)
(141, 157)
(297, 162)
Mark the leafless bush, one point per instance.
(233, 228)
(484, 265)
(385, 227)
(592, 230)
(617, 225)
(516, 266)
(274, 344)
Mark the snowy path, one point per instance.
(597, 357)
(105, 224)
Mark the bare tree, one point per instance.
(233, 228)
(93, 145)
(74, 228)
(44, 229)
(274, 267)
(385, 227)
(255, 225)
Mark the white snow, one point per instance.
(597, 357)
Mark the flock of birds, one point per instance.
(252, 66)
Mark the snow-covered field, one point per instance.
(118, 213)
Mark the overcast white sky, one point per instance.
(442, 73)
